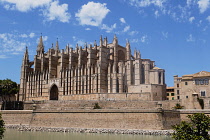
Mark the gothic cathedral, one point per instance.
(106, 71)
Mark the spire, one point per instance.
(77, 48)
(127, 44)
(115, 40)
(67, 48)
(105, 41)
(135, 54)
(139, 54)
(40, 47)
(25, 58)
(26, 54)
(95, 44)
(80, 56)
(101, 41)
(85, 45)
(90, 46)
(57, 46)
(128, 50)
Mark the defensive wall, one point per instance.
(146, 96)
(100, 118)
(151, 115)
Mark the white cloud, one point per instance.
(24, 5)
(144, 38)
(203, 5)
(3, 56)
(190, 38)
(50, 8)
(31, 35)
(126, 28)
(165, 34)
(10, 43)
(191, 19)
(134, 40)
(8, 7)
(24, 35)
(74, 38)
(56, 11)
(87, 29)
(157, 14)
(177, 11)
(122, 20)
(208, 18)
(92, 14)
(44, 38)
(146, 3)
(191, 2)
(133, 33)
(107, 28)
(78, 41)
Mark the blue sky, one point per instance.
(174, 33)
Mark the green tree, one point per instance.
(2, 128)
(197, 129)
(7, 88)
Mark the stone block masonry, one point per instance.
(104, 118)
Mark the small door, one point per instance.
(54, 93)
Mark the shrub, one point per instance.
(96, 106)
(2, 128)
(178, 106)
(197, 129)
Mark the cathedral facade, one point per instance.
(93, 72)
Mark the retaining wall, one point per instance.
(144, 119)
(80, 118)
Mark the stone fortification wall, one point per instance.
(14, 117)
(68, 105)
(115, 119)
(146, 96)
(169, 104)
(170, 118)
(99, 118)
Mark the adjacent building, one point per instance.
(193, 90)
(170, 93)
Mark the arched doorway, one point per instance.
(54, 93)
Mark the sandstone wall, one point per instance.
(116, 119)
(146, 96)
(17, 117)
(68, 105)
(155, 119)
(80, 118)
